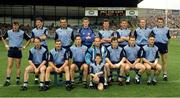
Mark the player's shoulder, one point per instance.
(52, 50)
(43, 49)
(145, 47)
(166, 28)
(45, 28)
(155, 47)
(34, 29)
(70, 29)
(9, 31)
(32, 49)
(83, 46)
(127, 46)
(59, 29)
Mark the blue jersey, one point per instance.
(85, 32)
(115, 55)
(37, 56)
(91, 54)
(105, 34)
(78, 53)
(16, 38)
(65, 35)
(37, 32)
(58, 56)
(150, 53)
(142, 35)
(132, 53)
(124, 33)
(96, 68)
(161, 34)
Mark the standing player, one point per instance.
(42, 33)
(65, 34)
(58, 62)
(14, 48)
(86, 33)
(97, 73)
(106, 33)
(162, 37)
(142, 33)
(124, 33)
(115, 59)
(150, 59)
(77, 56)
(133, 56)
(37, 64)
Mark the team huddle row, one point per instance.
(96, 55)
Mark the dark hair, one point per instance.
(105, 20)
(77, 36)
(85, 18)
(63, 18)
(160, 18)
(151, 35)
(37, 39)
(124, 20)
(16, 22)
(98, 55)
(39, 18)
(114, 39)
(132, 36)
(57, 40)
(142, 19)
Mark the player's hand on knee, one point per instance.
(56, 70)
(36, 71)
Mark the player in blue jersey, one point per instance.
(150, 59)
(65, 34)
(77, 55)
(14, 47)
(86, 33)
(142, 33)
(97, 73)
(37, 64)
(97, 48)
(133, 54)
(162, 37)
(124, 33)
(106, 33)
(115, 59)
(58, 62)
(41, 32)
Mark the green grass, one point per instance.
(169, 89)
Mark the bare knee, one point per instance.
(85, 67)
(127, 68)
(42, 69)
(158, 67)
(66, 69)
(72, 67)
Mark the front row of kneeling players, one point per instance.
(100, 60)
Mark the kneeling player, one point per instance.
(97, 73)
(150, 59)
(58, 62)
(133, 55)
(37, 61)
(115, 59)
(77, 54)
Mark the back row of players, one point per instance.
(99, 53)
